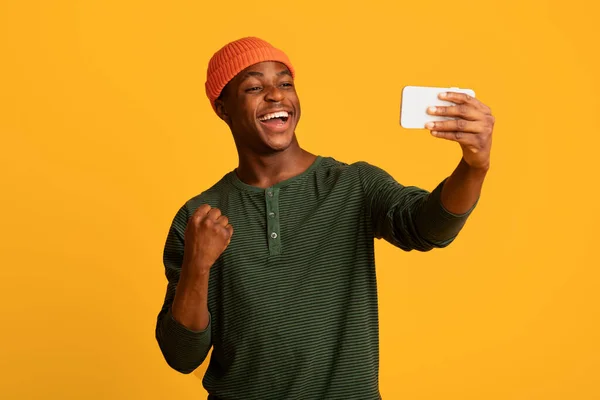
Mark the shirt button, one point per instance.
(270, 193)
(272, 214)
(274, 235)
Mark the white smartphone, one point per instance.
(416, 100)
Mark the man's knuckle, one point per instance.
(460, 124)
(204, 208)
(224, 232)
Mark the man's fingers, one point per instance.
(223, 220)
(198, 215)
(463, 111)
(214, 214)
(201, 211)
(456, 125)
(463, 98)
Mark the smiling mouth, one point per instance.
(277, 122)
(279, 117)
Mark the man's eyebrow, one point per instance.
(253, 73)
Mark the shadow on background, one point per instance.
(201, 370)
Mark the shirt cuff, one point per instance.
(175, 328)
(438, 225)
(184, 349)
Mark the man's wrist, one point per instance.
(195, 267)
(479, 170)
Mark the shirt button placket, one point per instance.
(272, 202)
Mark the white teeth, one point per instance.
(279, 114)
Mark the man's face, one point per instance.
(261, 107)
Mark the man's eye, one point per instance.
(287, 84)
(253, 89)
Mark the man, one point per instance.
(288, 302)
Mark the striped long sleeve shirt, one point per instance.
(293, 299)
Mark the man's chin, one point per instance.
(277, 139)
(280, 143)
(277, 142)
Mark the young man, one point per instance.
(288, 302)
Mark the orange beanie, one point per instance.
(236, 56)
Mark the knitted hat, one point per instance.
(236, 56)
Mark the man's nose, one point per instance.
(274, 94)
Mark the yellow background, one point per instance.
(106, 130)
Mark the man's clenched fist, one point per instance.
(207, 235)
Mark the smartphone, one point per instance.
(416, 100)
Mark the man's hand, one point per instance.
(472, 130)
(207, 235)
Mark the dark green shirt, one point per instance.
(293, 299)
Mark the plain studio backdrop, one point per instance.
(105, 131)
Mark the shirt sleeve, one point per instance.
(183, 349)
(408, 217)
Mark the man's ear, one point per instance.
(221, 112)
